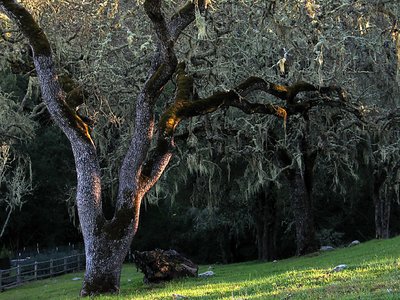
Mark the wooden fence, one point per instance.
(38, 270)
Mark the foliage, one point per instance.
(16, 129)
(5, 253)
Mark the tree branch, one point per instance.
(185, 107)
(53, 95)
(76, 130)
(28, 26)
(135, 176)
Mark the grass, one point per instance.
(373, 273)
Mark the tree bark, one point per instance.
(382, 204)
(382, 217)
(103, 269)
(106, 249)
(386, 219)
(265, 223)
(303, 215)
(300, 178)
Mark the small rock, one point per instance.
(178, 297)
(207, 274)
(76, 278)
(339, 268)
(326, 248)
(354, 243)
(275, 261)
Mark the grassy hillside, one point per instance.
(373, 273)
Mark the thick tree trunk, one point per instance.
(300, 178)
(104, 259)
(382, 217)
(107, 243)
(386, 219)
(382, 205)
(303, 215)
(265, 219)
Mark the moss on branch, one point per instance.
(37, 39)
(184, 84)
(185, 107)
(75, 94)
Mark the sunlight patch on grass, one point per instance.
(373, 273)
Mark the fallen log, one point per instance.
(163, 265)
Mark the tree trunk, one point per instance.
(103, 270)
(386, 218)
(104, 259)
(265, 219)
(382, 217)
(300, 177)
(382, 205)
(105, 251)
(303, 216)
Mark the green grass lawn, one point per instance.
(373, 273)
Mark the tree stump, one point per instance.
(163, 265)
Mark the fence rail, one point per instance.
(38, 270)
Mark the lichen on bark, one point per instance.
(37, 39)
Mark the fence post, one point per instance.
(51, 267)
(65, 264)
(35, 270)
(18, 274)
(1, 280)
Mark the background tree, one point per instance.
(16, 129)
(381, 154)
